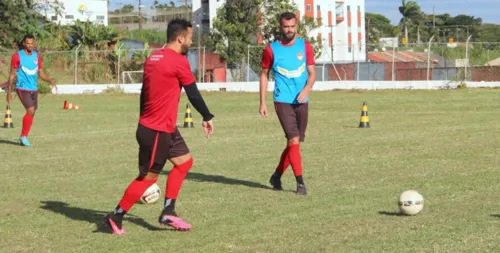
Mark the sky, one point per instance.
(488, 10)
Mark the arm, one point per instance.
(310, 67)
(266, 63)
(312, 74)
(45, 77)
(195, 98)
(312, 77)
(42, 73)
(264, 81)
(188, 81)
(11, 84)
(14, 66)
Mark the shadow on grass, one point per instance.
(11, 142)
(199, 177)
(392, 213)
(495, 215)
(93, 216)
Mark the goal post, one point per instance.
(132, 77)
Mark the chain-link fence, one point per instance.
(478, 61)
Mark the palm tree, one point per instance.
(412, 14)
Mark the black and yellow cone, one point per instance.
(7, 122)
(188, 120)
(364, 121)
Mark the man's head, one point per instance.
(29, 43)
(288, 26)
(180, 35)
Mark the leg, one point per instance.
(153, 147)
(301, 112)
(288, 120)
(30, 102)
(182, 160)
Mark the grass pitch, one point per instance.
(445, 144)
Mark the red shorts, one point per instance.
(293, 119)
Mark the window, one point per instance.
(359, 8)
(318, 7)
(308, 7)
(99, 17)
(53, 18)
(348, 8)
(69, 17)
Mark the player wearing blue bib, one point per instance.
(26, 67)
(291, 59)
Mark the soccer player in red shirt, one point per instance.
(166, 72)
(292, 60)
(26, 67)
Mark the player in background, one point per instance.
(166, 72)
(26, 66)
(291, 59)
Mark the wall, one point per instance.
(254, 86)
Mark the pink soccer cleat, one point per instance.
(116, 227)
(175, 222)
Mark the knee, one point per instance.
(186, 166)
(294, 140)
(31, 112)
(150, 176)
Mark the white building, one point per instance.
(342, 30)
(83, 10)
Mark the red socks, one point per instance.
(134, 192)
(295, 159)
(284, 162)
(176, 178)
(27, 122)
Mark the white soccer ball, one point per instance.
(411, 202)
(151, 195)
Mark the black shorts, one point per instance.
(28, 98)
(156, 147)
(293, 119)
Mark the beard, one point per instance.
(184, 49)
(289, 36)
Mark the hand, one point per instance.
(53, 85)
(208, 128)
(263, 110)
(303, 95)
(9, 98)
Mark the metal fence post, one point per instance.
(76, 64)
(119, 60)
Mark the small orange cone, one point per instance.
(69, 106)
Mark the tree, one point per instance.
(378, 26)
(19, 17)
(270, 23)
(413, 17)
(234, 28)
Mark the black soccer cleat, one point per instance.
(275, 181)
(301, 189)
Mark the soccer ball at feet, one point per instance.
(410, 202)
(151, 195)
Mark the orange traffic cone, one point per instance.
(69, 106)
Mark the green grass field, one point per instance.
(445, 144)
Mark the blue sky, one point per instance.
(488, 10)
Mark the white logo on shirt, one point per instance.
(30, 72)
